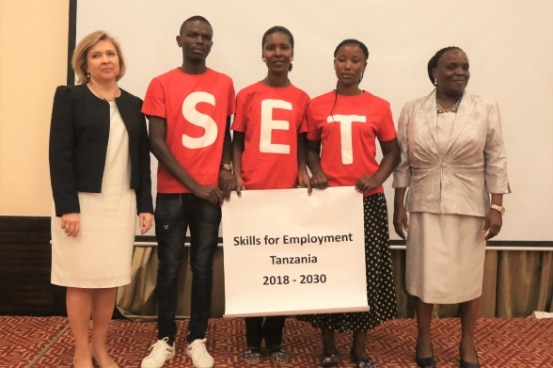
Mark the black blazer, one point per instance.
(79, 134)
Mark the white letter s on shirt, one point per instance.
(197, 118)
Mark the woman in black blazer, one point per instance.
(100, 175)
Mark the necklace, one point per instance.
(107, 97)
(441, 110)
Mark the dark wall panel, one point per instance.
(25, 262)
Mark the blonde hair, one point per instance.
(80, 54)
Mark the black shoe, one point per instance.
(469, 365)
(425, 362)
(464, 364)
(429, 362)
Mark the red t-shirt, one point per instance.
(196, 108)
(348, 127)
(271, 119)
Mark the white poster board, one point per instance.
(287, 252)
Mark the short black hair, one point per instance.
(433, 62)
(353, 41)
(278, 29)
(192, 19)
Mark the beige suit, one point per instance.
(448, 177)
(474, 164)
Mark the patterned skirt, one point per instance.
(381, 293)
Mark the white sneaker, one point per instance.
(199, 355)
(161, 352)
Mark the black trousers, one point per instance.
(264, 328)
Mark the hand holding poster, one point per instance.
(287, 252)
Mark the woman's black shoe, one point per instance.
(469, 365)
(426, 362)
(464, 364)
(429, 362)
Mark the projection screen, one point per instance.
(509, 45)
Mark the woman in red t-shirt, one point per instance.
(343, 126)
(269, 153)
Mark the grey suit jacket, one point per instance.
(474, 164)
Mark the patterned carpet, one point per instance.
(507, 343)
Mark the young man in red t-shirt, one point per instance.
(189, 110)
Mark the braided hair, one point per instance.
(433, 62)
(364, 50)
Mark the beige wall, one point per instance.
(33, 59)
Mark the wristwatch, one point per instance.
(226, 167)
(497, 207)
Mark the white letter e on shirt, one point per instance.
(268, 124)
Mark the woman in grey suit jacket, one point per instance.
(453, 170)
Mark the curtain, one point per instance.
(516, 283)
(137, 301)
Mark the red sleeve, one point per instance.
(387, 131)
(312, 126)
(239, 122)
(154, 101)
(231, 99)
(304, 104)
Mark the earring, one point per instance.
(435, 82)
(87, 75)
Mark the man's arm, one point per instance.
(158, 130)
(237, 150)
(227, 181)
